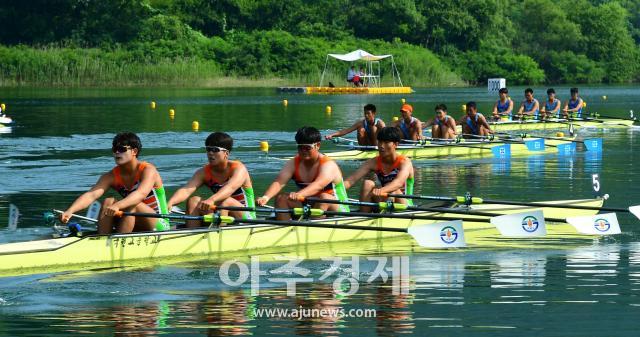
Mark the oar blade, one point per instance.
(593, 144)
(635, 210)
(14, 215)
(525, 224)
(94, 210)
(566, 149)
(535, 144)
(599, 224)
(446, 234)
(501, 151)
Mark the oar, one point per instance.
(635, 210)
(597, 115)
(426, 235)
(591, 144)
(80, 217)
(403, 207)
(523, 224)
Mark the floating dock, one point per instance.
(346, 90)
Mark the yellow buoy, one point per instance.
(3, 107)
(195, 126)
(464, 108)
(328, 109)
(584, 104)
(172, 113)
(560, 134)
(153, 105)
(264, 146)
(604, 97)
(395, 118)
(403, 101)
(285, 102)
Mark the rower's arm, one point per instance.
(325, 177)
(483, 121)
(510, 108)
(419, 128)
(428, 123)
(83, 201)
(147, 180)
(185, 191)
(381, 124)
(363, 170)
(237, 179)
(495, 109)
(452, 123)
(403, 174)
(557, 108)
(346, 131)
(578, 107)
(281, 180)
(536, 106)
(521, 110)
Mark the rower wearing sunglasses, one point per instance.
(138, 183)
(315, 175)
(228, 180)
(393, 170)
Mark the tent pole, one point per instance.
(324, 70)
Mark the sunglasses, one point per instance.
(120, 148)
(307, 147)
(215, 149)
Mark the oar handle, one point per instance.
(209, 218)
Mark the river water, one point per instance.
(60, 144)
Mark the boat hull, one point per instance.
(115, 250)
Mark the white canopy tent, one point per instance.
(372, 68)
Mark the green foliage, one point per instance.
(529, 41)
(571, 68)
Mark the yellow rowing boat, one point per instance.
(93, 251)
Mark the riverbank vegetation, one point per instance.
(270, 43)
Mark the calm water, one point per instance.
(60, 145)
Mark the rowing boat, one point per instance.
(93, 251)
(557, 124)
(5, 119)
(467, 149)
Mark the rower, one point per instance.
(394, 171)
(503, 108)
(228, 180)
(552, 106)
(530, 106)
(442, 125)
(315, 174)
(138, 183)
(474, 123)
(573, 107)
(367, 127)
(410, 126)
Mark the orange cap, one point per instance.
(406, 107)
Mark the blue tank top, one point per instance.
(405, 129)
(440, 123)
(474, 125)
(505, 107)
(573, 105)
(529, 105)
(552, 106)
(366, 126)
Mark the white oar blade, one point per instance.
(635, 210)
(526, 224)
(599, 224)
(94, 210)
(446, 234)
(177, 210)
(14, 215)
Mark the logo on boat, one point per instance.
(530, 224)
(602, 225)
(448, 234)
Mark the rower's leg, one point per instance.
(105, 223)
(435, 131)
(282, 201)
(372, 135)
(466, 130)
(413, 131)
(362, 137)
(143, 224)
(192, 210)
(366, 194)
(449, 133)
(231, 202)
